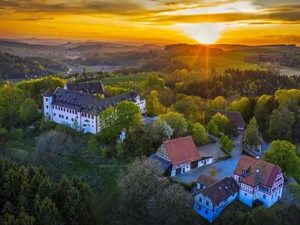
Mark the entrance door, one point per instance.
(178, 171)
(194, 165)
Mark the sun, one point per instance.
(204, 33)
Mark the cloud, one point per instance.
(37, 18)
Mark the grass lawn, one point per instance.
(101, 175)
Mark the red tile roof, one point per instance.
(259, 171)
(182, 150)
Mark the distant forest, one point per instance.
(12, 67)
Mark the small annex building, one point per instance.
(178, 156)
(211, 201)
(259, 181)
(236, 117)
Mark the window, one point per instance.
(264, 196)
(72, 119)
(46, 99)
(46, 107)
(54, 114)
(92, 117)
(200, 200)
(245, 194)
(62, 116)
(207, 203)
(66, 118)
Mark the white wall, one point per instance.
(184, 168)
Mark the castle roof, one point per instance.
(90, 88)
(88, 103)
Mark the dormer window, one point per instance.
(244, 172)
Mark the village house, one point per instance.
(260, 182)
(178, 156)
(81, 110)
(235, 117)
(210, 201)
(203, 181)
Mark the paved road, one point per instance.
(225, 168)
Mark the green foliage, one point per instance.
(153, 105)
(121, 149)
(3, 132)
(251, 135)
(27, 197)
(154, 82)
(220, 121)
(283, 154)
(116, 90)
(93, 145)
(212, 128)
(280, 124)
(149, 199)
(19, 134)
(200, 135)
(243, 105)
(227, 143)
(176, 121)
(161, 130)
(294, 190)
(28, 111)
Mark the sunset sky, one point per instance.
(163, 21)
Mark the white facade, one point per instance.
(81, 121)
(185, 167)
(267, 195)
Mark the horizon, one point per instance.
(53, 41)
(244, 22)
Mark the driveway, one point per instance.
(225, 168)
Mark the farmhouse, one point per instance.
(81, 110)
(236, 117)
(178, 156)
(211, 200)
(260, 182)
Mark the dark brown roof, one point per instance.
(233, 116)
(182, 150)
(206, 179)
(88, 103)
(259, 171)
(48, 93)
(90, 88)
(221, 190)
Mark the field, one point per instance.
(234, 59)
(114, 80)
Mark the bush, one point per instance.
(19, 134)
